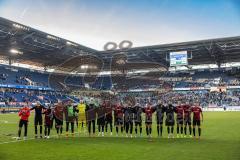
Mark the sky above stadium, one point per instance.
(145, 22)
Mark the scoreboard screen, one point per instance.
(178, 58)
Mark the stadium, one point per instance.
(61, 99)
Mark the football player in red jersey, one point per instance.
(187, 119)
(118, 114)
(58, 113)
(197, 118)
(179, 110)
(47, 121)
(148, 110)
(24, 114)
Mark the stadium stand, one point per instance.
(64, 67)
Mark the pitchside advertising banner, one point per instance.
(218, 108)
(178, 58)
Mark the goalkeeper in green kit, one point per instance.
(70, 117)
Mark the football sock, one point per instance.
(194, 131)
(190, 130)
(127, 128)
(61, 129)
(199, 132)
(45, 131)
(89, 127)
(19, 132)
(93, 126)
(131, 128)
(35, 130)
(98, 128)
(40, 130)
(172, 129)
(161, 130)
(111, 127)
(49, 130)
(25, 130)
(102, 128)
(106, 128)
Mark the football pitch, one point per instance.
(220, 140)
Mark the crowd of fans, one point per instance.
(204, 97)
(16, 96)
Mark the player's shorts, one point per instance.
(101, 121)
(38, 121)
(180, 121)
(119, 121)
(108, 120)
(196, 122)
(148, 122)
(187, 121)
(58, 122)
(23, 122)
(159, 121)
(169, 123)
(48, 122)
(81, 117)
(138, 123)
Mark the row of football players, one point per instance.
(126, 118)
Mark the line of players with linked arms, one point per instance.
(126, 117)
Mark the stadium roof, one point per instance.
(23, 44)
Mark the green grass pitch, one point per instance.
(220, 140)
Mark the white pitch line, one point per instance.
(7, 122)
(16, 141)
(25, 140)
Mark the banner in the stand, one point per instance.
(26, 87)
(219, 88)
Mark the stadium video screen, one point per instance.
(178, 58)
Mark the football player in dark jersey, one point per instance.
(160, 109)
(38, 120)
(101, 119)
(138, 110)
(91, 117)
(108, 117)
(128, 119)
(170, 120)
